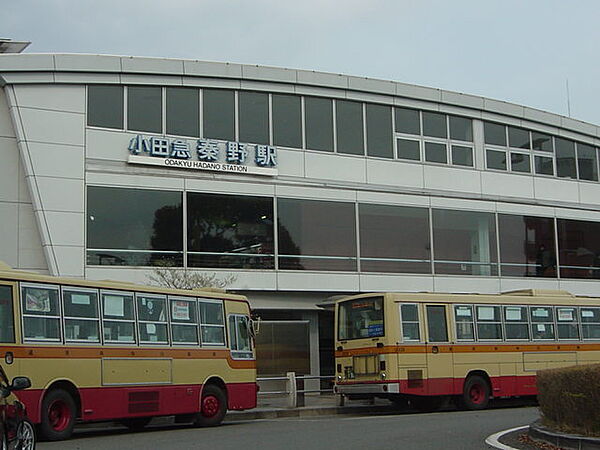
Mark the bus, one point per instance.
(427, 348)
(117, 351)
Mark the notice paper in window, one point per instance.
(114, 306)
(37, 300)
(463, 311)
(485, 313)
(180, 310)
(80, 299)
(513, 313)
(565, 315)
(540, 312)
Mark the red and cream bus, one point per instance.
(427, 347)
(98, 351)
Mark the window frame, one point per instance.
(64, 316)
(581, 308)
(55, 287)
(456, 322)
(491, 322)
(195, 324)
(526, 322)
(533, 323)
(133, 321)
(223, 325)
(402, 322)
(576, 322)
(239, 354)
(139, 322)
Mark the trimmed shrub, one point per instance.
(569, 398)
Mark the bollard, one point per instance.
(291, 389)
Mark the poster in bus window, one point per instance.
(114, 306)
(513, 314)
(37, 300)
(180, 310)
(565, 315)
(540, 312)
(375, 329)
(485, 313)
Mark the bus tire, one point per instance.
(58, 415)
(476, 393)
(213, 407)
(136, 423)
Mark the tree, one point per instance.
(178, 278)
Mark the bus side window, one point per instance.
(41, 312)
(212, 325)
(465, 327)
(82, 321)
(118, 317)
(437, 328)
(409, 316)
(184, 327)
(567, 325)
(152, 319)
(542, 322)
(590, 323)
(489, 323)
(516, 323)
(7, 324)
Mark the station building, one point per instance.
(302, 185)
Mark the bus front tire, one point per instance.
(58, 415)
(476, 393)
(213, 407)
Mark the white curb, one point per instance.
(494, 442)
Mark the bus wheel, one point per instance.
(476, 393)
(136, 423)
(58, 415)
(213, 407)
(427, 403)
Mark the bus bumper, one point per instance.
(367, 388)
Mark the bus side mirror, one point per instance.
(20, 383)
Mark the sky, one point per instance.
(520, 51)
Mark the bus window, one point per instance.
(590, 323)
(184, 328)
(489, 323)
(211, 322)
(239, 337)
(7, 325)
(465, 328)
(409, 315)
(361, 318)
(566, 323)
(41, 312)
(82, 322)
(152, 319)
(119, 318)
(437, 328)
(542, 322)
(516, 323)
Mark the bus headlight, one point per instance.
(383, 375)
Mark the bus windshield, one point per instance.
(360, 318)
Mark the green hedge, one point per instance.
(569, 398)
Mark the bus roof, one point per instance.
(7, 273)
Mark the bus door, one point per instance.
(412, 359)
(7, 326)
(440, 370)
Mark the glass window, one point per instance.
(489, 323)
(379, 131)
(519, 162)
(544, 165)
(316, 235)
(254, 117)
(518, 138)
(183, 106)
(495, 134)
(496, 160)
(565, 158)
(230, 231)
(516, 323)
(287, 120)
(319, 123)
(579, 248)
(527, 246)
(542, 322)
(434, 125)
(587, 162)
(124, 226)
(437, 329)
(7, 324)
(461, 128)
(82, 321)
(409, 149)
(566, 323)
(590, 323)
(183, 320)
(41, 312)
(407, 121)
(105, 106)
(152, 319)
(462, 156)
(541, 141)
(464, 242)
(144, 109)
(361, 318)
(239, 335)
(394, 239)
(218, 114)
(463, 317)
(212, 325)
(435, 152)
(119, 317)
(349, 127)
(409, 314)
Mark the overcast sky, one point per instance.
(521, 51)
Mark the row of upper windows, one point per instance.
(507, 323)
(80, 315)
(343, 126)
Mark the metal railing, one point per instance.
(294, 387)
